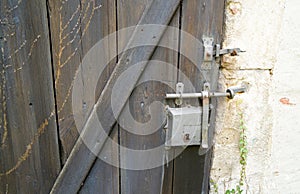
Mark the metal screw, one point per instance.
(186, 137)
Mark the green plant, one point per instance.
(215, 186)
(243, 157)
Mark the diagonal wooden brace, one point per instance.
(81, 158)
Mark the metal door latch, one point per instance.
(190, 125)
(210, 52)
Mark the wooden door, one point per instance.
(29, 152)
(128, 155)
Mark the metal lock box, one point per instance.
(190, 125)
(183, 126)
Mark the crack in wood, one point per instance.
(5, 130)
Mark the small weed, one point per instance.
(243, 160)
(243, 157)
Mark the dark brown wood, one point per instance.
(204, 17)
(29, 154)
(140, 101)
(66, 39)
(188, 172)
(76, 27)
(74, 171)
(66, 50)
(103, 177)
(167, 184)
(31, 149)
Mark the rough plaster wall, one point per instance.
(253, 26)
(286, 84)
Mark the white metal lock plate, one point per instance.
(184, 126)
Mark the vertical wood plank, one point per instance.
(168, 168)
(81, 25)
(29, 153)
(66, 30)
(146, 93)
(130, 181)
(103, 177)
(204, 17)
(188, 171)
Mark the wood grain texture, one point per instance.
(76, 27)
(65, 25)
(103, 176)
(74, 172)
(29, 153)
(29, 146)
(188, 172)
(140, 104)
(199, 18)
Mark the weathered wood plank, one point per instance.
(29, 153)
(140, 105)
(66, 42)
(199, 18)
(188, 172)
(76, 26)
(74, 171)
(103, 177)
(167, 185)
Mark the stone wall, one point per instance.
(254, 26)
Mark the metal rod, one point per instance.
(219, 94)
(196, 95)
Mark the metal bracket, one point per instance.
(179, 91)
(233, 52)
(205, 114)
(208, 49)
(210, 53)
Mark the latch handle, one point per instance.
(233, 51)
(230, 93)
(235, 90)
(205, 115)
